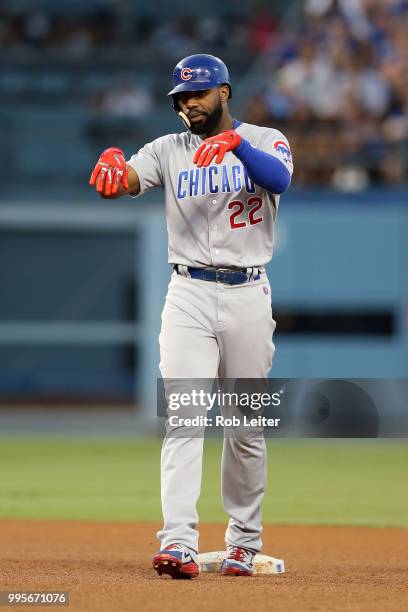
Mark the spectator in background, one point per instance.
(36, 28)
(310, 80)
(75, 39)
(261, 29)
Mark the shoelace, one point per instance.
(239, 554)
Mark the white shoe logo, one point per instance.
(186, 557)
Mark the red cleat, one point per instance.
(176, 561)
(238, 562)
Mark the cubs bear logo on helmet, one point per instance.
(186, 74)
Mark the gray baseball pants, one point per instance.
(212, 330)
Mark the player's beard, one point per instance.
(209, 124)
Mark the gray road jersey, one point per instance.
(216, 216)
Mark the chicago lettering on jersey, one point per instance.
(193, 182)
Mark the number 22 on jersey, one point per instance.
(238, 218)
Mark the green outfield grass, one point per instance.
(332, 482)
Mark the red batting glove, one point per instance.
(109, 172)
(216, 146)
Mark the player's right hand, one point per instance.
(109, 172)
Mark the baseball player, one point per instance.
(222, 180)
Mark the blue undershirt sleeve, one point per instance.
(265, 170)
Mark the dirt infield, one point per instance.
(107, 567)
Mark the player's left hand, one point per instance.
(216, 146)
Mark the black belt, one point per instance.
(225, 276)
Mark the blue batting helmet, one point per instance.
(198, 72)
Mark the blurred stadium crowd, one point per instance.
(112, 25)
(333, 75)
(338, 86)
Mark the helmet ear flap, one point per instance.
(174, 102)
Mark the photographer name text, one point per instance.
(221, 421)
